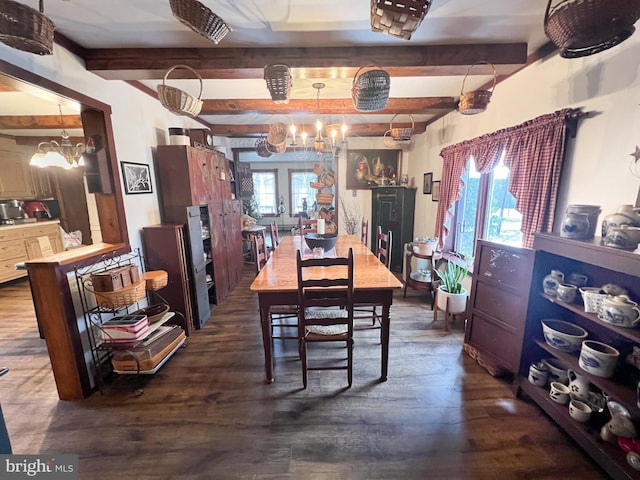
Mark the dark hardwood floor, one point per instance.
(208, 414)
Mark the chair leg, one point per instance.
(303, 357)
(350, 361)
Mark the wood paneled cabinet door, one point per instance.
(41, 183)
(498, 302)
(15, 177)
(393, 209)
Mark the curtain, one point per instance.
(533, 152)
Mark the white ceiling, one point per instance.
(294, 23)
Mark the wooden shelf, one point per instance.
(610, 457)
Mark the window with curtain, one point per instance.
(265, 191)
(532, 154)
(301, 193)
(486, 209)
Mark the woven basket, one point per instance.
(156, 279)
(277, 137)
(200, 19)
(262, 147)
(25, 28)
(584, 27)
(178, 101)
(123, 297)
(475, 102)
(398, 18)
(324, 198)
(370, 89)
(317, 185)
(278, 78)
(401, 133)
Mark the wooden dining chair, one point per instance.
(384, 242)
(260, 252)
(308, 225)
(364, 230)
(325, 309)
(275, 236)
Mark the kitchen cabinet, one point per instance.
(15, 177)
(19, 243)
(190, 176)
(601, 265)
(42, 186)
(393, 209)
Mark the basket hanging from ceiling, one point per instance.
(370, 89)
(584, 27)
(398, 18)
(278, 78)
(400, 134)
(200, 19)
(277, 137)
(476, 101)
(179, 101)
(261, 147)
(26, 28)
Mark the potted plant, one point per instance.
(426, 245)
(451, 287)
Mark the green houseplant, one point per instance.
(451, 290)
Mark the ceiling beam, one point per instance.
(306, 62)
(32, 122)
(335, 106)
(34, 141)
(354, 130)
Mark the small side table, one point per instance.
(248, 235)
(421, 280)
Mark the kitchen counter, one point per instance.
(30, 224)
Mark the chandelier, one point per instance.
(62, 155)
(325, 140)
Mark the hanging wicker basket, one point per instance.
(261, 147)
(324, 198)
(370, 89)
(401, 133)
(178, 101)
(584, 27)
(25, 28)
(277, 137)
(200, 19)
(278, 78)
(398, 18)
(477, 101)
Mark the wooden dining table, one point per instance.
(277, 284)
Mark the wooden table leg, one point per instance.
(266, 337)
(386, 320)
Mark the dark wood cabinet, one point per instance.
(393, 208)
(190, 176)
(601, 265)
(498, 302)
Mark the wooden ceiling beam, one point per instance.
(335, 106)
(305, 62)
(33, 122)
(34, 141)
(354, 130)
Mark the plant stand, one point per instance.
(448, 313)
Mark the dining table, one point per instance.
(277, 284)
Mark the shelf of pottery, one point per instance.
(324, 186)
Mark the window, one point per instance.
(301, 192)
(486, 209)
(265, 191)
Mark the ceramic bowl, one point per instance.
(579, 411)
(564, 336)
(326, 240)
(557, 370)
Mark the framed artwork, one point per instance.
(426, 183)
(367, 168)
(435, 191)
(137, 178)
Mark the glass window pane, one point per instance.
(264, 192)
(301, 192)
(503, 220)
(467, 211)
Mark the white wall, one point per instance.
(140, 123)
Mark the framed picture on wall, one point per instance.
(137, 178)
(426, 183)
(367, 168)
(435, 191)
